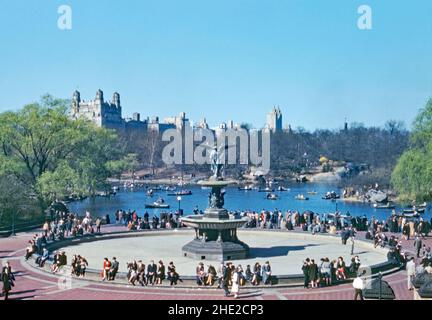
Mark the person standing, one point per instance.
(305, 269)
(418, 243)
(411, 272)
(106, 269)
(325, 270)
(114, 269)
(226, 279)
(358, 285)
(7, 278)
(98, 225)
(352, 240)
(235, 288)
(313, 274)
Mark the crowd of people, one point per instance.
(256, 275)
(153, 274)
(328, 272)
(130, 219)
(324, 273)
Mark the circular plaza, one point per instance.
(284, 250)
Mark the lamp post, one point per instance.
(179, 201)
(13, 223)
(380, 285)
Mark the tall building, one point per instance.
(274, 120)
(108, 114)
(103, 113)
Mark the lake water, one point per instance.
(234, 200)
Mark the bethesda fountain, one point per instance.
(215, 231)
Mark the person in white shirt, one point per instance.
(411, 272)
(358, 285)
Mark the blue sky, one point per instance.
(224, 59)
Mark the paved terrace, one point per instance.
(37, 285)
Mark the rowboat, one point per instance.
(266, 190)
(414, 210)
(386, 206)
(156, 205)
(272, 196)
(181, 193)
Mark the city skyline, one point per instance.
(309, 59)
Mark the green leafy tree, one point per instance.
(52, 155)
(412, 176)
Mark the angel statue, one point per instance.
(217, 159)
(216, 163)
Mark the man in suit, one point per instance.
(151, 272)
(305, 269)
(418, 245)
(226, 275)
(114, 269)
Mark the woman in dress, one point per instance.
(211, 275)
(235, 288)
(160, 275)
(256, 278)
(172, 274)
(340, 269)
(200, 274)
(83, 264)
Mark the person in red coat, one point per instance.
(106, 269)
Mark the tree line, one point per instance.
(45, 156)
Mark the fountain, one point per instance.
(215, 231)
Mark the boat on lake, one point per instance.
(301, 197)
(414, 210)
(280, 188)
(383, 206)
(158, 204)
(331, 195)
(181, 193)
(266, 190)
(408, 215)
(272, 196)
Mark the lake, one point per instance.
(234, 200)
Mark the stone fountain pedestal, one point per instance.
(215, 232)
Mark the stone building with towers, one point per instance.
(108, 114)
(274, 120)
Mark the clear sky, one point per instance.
(224, 59)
